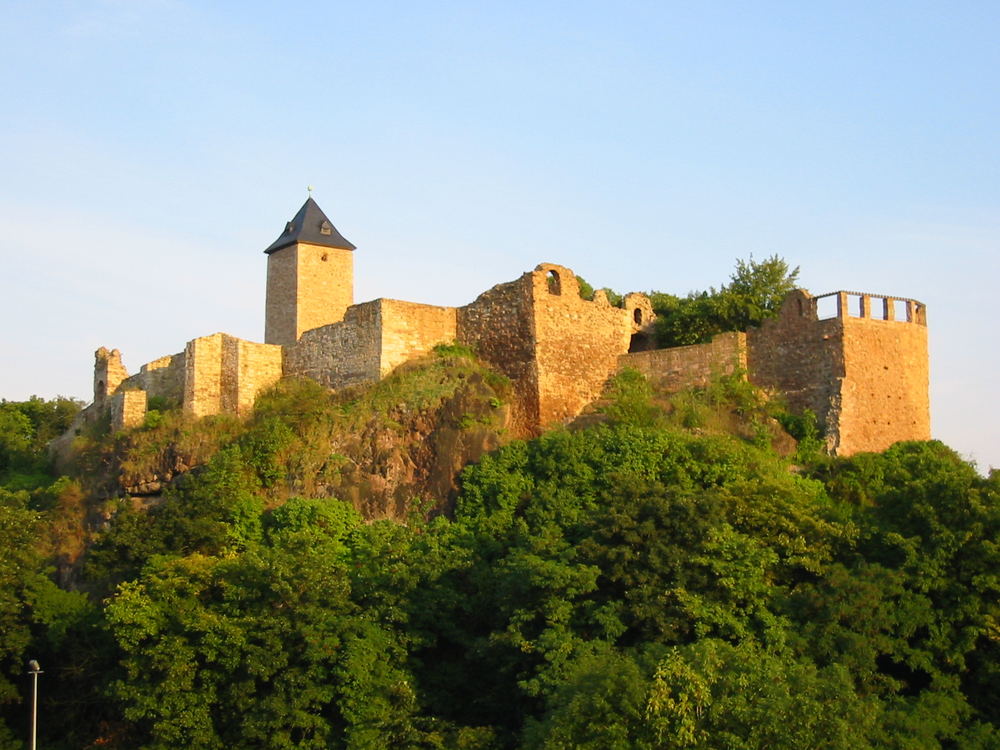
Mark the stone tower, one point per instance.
(310, 276)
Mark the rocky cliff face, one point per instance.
(388, 473)
(388, 449)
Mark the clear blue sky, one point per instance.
(151, 149)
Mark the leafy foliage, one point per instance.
(754, 292)
(642, 583)
(26, 428)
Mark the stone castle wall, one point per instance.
(557, 348)
(203, 376)
(863, 370)
(164, 377)
(799, 356)
(576, 343)
(684, 366)
(248, 368)
(128, 409)
(373, 339)
(109, 373)
(341, 354)
(410, 330)
(498, 325)
(224, 374)
(884, 390)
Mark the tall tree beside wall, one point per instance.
(754, 293)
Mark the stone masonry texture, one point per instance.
(308, 286)
(679, 367)
(865, 378)
(862, 368)
(128, 409)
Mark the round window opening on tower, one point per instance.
(323, 257)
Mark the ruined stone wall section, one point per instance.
(109, 373)
(256, 368)
(341, 354)
(577, 344)
(679, 367)
(499, 326)
(640, 312)
(229, 375)
(800, 357)
(164, 378)
(410, 330)
(203, 384)
(128, 409)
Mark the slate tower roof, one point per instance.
(310, 225)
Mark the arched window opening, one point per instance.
(555, 286)
(102, 389)
(637, 316)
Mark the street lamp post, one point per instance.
(34, 670)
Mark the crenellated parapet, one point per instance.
(858, 360)
(869, 307)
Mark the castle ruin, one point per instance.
(860, 364)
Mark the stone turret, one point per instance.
(109, 372)
(310, 277)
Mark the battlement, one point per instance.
(845, 304)
(858, 360)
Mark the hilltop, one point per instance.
(391, 567)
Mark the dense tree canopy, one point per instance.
(634, 584)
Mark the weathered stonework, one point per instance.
(557, 348)
(128, 409)
(410, 330)
(373, 339)
(576, 343)
(498, 326)
(862, 369)
(341, 354)
(224, 374)
(682, 366)
(109, 373)
(164, 377)
(308, 286)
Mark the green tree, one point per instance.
(712, 694)
(755, 292)
(26, 428)
(16, 438)
(262, 648)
